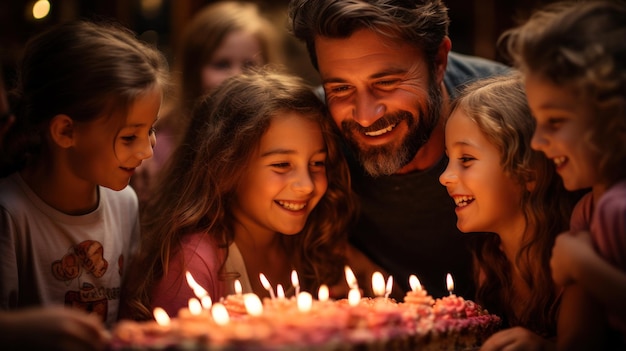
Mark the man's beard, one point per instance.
(389, 158)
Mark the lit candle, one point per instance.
(450, 283)
(161, 317)
(238, 288)
(195, 308)
(414, 283)
(266, 285)
(323, 294)
(354, 297)
(389, 286)
(280, 292)
(295, 281)
(304, 301)
(253, 304)
(197, 289)
(378, 284)
(206, 302)
(350, 278)
(220, 314)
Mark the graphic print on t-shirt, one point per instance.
(86, 258)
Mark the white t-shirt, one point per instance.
(50, 258)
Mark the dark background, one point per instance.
(475, 24)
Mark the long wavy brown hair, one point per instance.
(197, 190)
(499, 108)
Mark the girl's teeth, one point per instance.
(292, 206)
(463, 200)
(559, 160)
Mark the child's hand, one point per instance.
(569, 252)
(516, 339)
(52, 328)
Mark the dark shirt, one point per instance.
(407, 223)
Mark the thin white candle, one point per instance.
(197, 289)
(350, 278)
(266, 285)
(295, 281)
(206, 302)
(280, 292)
(389, 286)
(238, 288)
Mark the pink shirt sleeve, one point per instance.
(201, 257)
(609, 225)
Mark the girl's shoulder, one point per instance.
(614, 199)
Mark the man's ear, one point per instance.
(62, 130)
(441, 60)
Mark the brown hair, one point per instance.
(84, 70)
(422, 23)
(499, 108)
(581, 46)
(198, 187)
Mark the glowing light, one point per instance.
(389, 286)
(323, 294)
(41, 9)
(197, 289)
(220, 314)
(350, 278)
(195, 308)
(253, 304)
(295, 281)
(161, 317)
(280, 292)
(354, 297)
(238, 288)
(450, 283)
(414, 283)
(266, 285)
(305, 301)
(378, 284)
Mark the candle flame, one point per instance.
(294, 279)
(449, 283)
(161, 317)
(253, 304)
(197, 289)
(354, 297)
(206, 302)
(350, 278)
(220, 314)
(194, 306)
(267, 285)
(323, 294)
(280, 292)
(304, 301)
(378, 284)
(414, 283)
(238, 288)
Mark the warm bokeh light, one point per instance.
(41, 9)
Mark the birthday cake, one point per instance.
(246, 322)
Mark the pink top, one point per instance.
(607, 224)
(202, 258)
